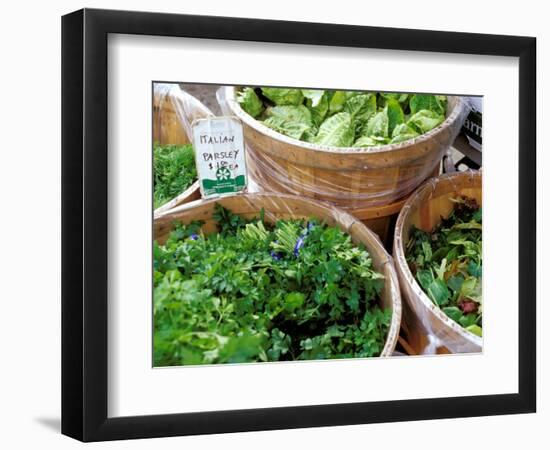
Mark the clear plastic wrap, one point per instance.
(424, 209)
(187, 108)
(351, 178)
(174, 111)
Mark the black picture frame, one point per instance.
(84, 224)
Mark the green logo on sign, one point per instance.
(223, 173)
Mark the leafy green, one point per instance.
(250, 102)
(337, 101)
(395, 115)
(434, 103)
(368, 141)
(378, 125)
(283, 97)
(336, 131)
(401, 98)
(424, 120)
(174, 171)
(372, 119)
(295, 290)
(402, 132)
(293, 129)
(447, 263)
(361, 108)
(292, 121)
(318, 104)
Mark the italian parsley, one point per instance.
(174, 171)
(256, 292)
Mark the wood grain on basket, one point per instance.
(279, 206)
(424, 209)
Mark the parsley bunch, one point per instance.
(174, 171)
(447, 264)
(254, 292)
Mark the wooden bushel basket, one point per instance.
(279, 206)
(429, 329)
(371, 184)
(168, 129)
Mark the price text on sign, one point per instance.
(219, 154)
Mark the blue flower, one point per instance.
(194, 237)
(301, 240)
(276, 256)
(299, 245)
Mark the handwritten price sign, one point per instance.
(219, 154)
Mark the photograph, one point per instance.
(300, 223)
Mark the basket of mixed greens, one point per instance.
(174, 170)
(354, 149)
(270, 277)
(438, 254)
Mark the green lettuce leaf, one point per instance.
(314, 96)
(433, 103)
(293, 121)
(425, 120)
(475, 329)
(361, 108)
(371, 141)
(395, 114)
(337, 102)
(318, 103)
(281, 96)
(402, 132)
(337, 131)
(401, 98)
(438, 292)
(298, 114)
(378, 125)
(288, 128)
(453, 312)
(366, 141)
(250, 102)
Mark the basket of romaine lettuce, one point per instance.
(356, 149)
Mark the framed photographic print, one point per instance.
(274, 224)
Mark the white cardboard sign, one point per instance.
(219, 155)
